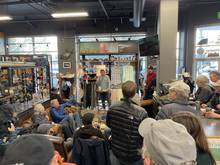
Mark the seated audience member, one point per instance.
(57, 111)
(167, 143)
(55, 95)
(69, 122)
(214, 76)
(204, 91)
(194, 128)
(179, 94)
(88, 130)
(123, 119)
(188, 80)
(215, 101)
(31, 150)
(50, 129)
(212, 115)
(40, 115)
(8, 132)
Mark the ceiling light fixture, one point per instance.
(68, 15)
(5, 18)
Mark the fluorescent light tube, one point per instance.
(5, 18)
(68, 15)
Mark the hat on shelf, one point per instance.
(167, 142)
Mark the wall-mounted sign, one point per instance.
(67, 65)
(108, 47)
(218, 15)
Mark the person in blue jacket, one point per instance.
(57, 112)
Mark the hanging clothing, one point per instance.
(128, 73)
(116, 75)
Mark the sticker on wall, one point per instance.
(67, 65)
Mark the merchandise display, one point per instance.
(24, 82)
(119, 68)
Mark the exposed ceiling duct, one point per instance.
(138, 12)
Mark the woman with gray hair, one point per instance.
(179, 96)
(204, 91)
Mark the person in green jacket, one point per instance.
(194, 128)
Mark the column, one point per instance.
(168, 25)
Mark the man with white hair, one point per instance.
(204, 91)
(179, 95)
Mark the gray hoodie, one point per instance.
(176, 106)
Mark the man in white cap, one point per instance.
(179, 95)
(167, 142)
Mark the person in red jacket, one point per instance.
(151, 77)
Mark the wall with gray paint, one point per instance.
(67, 43)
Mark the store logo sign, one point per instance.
(218, 15)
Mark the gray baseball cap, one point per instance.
(167, 142)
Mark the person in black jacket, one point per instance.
(123, 119)
(87, 130)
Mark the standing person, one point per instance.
(103, 84)
(123, 119)
(150, 85)
(150, 82)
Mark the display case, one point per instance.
(24, 80)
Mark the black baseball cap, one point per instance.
(29, 150)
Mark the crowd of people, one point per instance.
(134, 135)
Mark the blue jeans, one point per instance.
(115, 161)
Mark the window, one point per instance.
(179, 56)
(37, 45)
